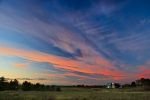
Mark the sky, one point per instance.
(69, 42)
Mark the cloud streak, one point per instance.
(88, 39)
(61, 62)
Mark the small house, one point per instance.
(113, 85)
(110, 85)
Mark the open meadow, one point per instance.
(77, 94)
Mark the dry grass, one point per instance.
(76, 94)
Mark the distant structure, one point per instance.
(110, 85)
(113, 85)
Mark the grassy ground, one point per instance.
(76, 94)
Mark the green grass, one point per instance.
(77, 94)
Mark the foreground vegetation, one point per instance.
(12, 90)
(25, 86)
(76, 94)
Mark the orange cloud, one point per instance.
(104, 68)
(20, 65)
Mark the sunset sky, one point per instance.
(75, 41)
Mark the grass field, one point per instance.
(76, 94)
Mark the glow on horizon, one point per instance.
(74, 41)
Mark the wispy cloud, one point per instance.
(20, 65)
(65, 63)
(88, 39)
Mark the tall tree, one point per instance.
(26, 86)
(3, 84)
(14, 85)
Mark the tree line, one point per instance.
(143, 82)
(28, 86)
(25, 86)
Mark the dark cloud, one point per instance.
(78, 53)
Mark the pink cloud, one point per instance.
(102, 67)
(144, 71)
(20, 65)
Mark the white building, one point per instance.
(110, 85)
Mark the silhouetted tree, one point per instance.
(14, 85)
(117, 85)
(82, 85)
(133, 84)
(37, 86)
(3, 84)
(126, 86)
(143, 82)
(58, 89)
(52, 88)
(26, 86)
